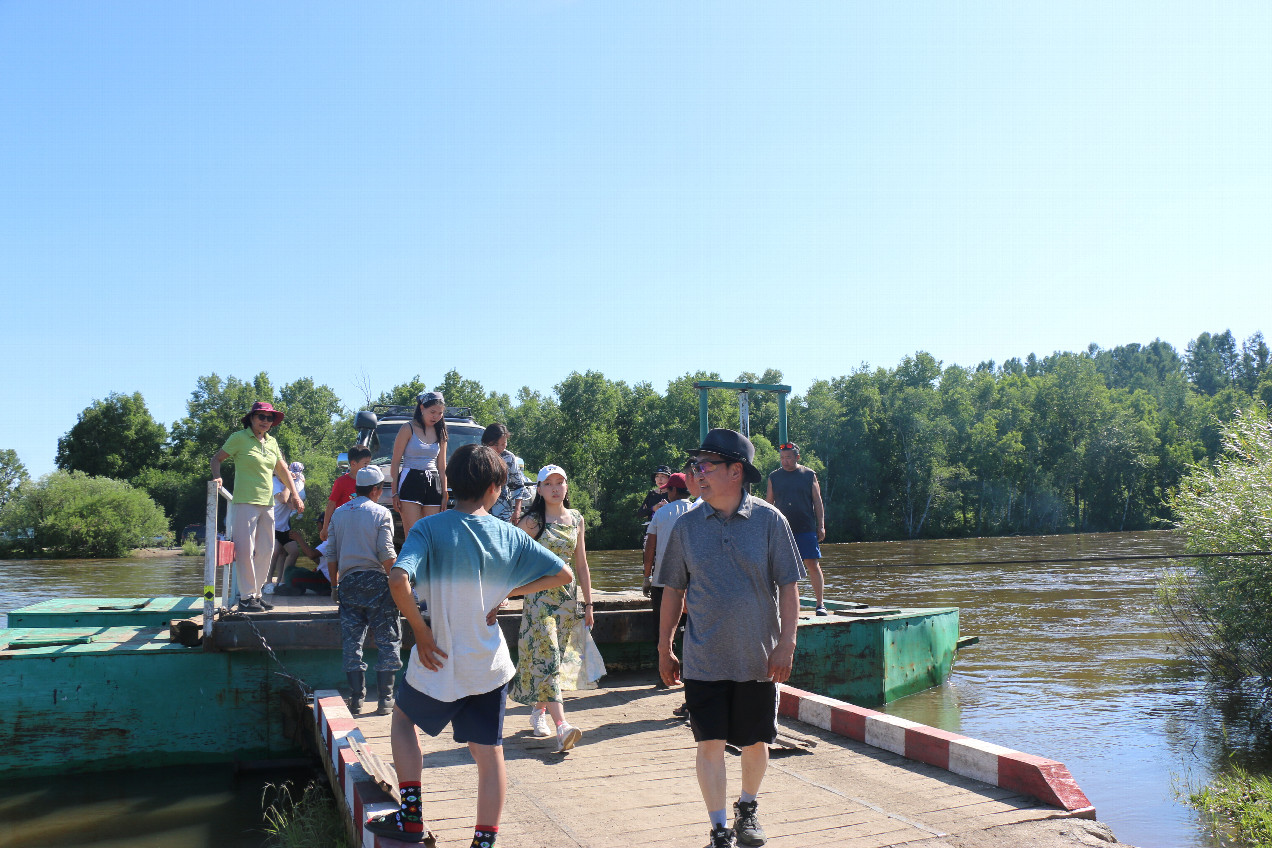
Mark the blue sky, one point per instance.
(523, 190)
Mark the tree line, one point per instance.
(1075, 441)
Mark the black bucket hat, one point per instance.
(734, 446)
(662, 469)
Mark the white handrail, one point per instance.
(210, 553)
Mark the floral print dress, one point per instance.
(550, 643)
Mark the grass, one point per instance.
(191, 548)
(1239, 805)
(313, 819)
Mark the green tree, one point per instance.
(115, 437)
(70, 513)
(1221, 608)
(12, 474)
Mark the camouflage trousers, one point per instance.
(365, 602)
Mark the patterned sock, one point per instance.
(484, 835)
(717, 818)
(745, 797)
(410, 818)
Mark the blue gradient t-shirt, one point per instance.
(463, 565)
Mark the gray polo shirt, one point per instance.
(730, 570)
(361, 537)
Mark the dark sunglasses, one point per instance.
(263, 416)
(705, 466)
(787, 446)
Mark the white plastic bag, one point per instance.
(593, 667)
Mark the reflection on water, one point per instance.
(1073, 664)
(205, 805)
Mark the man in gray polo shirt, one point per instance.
(360, 553)
(732, 561)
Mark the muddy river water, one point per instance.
(1073, 664)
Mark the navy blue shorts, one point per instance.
(807, 544)
(741, 713)
(476, 718)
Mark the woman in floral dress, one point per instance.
(549, 647)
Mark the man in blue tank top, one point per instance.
(793, 489)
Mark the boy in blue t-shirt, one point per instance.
(464, 562)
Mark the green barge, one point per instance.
(99, 684)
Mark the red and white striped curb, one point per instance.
(1047, 780)
(336, 725)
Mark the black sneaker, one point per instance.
(721, 837)
(249, 605)
(390, 825)
(746, 824)
(264, 603)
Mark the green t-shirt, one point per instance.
(253, 467)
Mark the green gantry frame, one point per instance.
(744, 405)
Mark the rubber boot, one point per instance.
(358, 686)
(384, 679)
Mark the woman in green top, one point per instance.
(257, 459)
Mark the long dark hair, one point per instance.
(439, 427)
(538, 510)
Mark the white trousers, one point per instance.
(253, 529)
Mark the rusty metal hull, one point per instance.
(870, 660)
(98, 698)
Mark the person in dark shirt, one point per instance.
(658, 494)
(794, 490)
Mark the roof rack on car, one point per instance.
(383, 409)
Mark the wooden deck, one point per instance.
(631, 781)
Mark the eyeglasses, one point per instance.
(263, 416)
(787, 446)
(706, 466)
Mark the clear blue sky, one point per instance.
(521, 190)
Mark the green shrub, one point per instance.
(191, 548)
(69, 514)
(1239, 805)
(314, 819)
(1221, 607)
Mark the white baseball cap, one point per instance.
(552, 469)
(369, 476)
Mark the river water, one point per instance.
(1073, 665)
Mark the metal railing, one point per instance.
(210, 555)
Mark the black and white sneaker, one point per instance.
(746, 824)
(250, 605)
(721, 837)
(264, 603)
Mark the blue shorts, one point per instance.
(807, 544)
(475, 718)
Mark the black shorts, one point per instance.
(740, 713)
(421, 487)
(281, 537)
(476, 718)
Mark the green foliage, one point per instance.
(12, 474)
(1222, 607)
(1239, 806)
(115, 437)
(1093, 440)
(191, 548)
(69, 513)
(313, 819)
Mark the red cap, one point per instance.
(678, 481)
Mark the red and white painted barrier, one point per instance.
(1047, 780)
(364, 798)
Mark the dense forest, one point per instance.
(1074, 441)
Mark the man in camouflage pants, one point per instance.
(360, 553)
